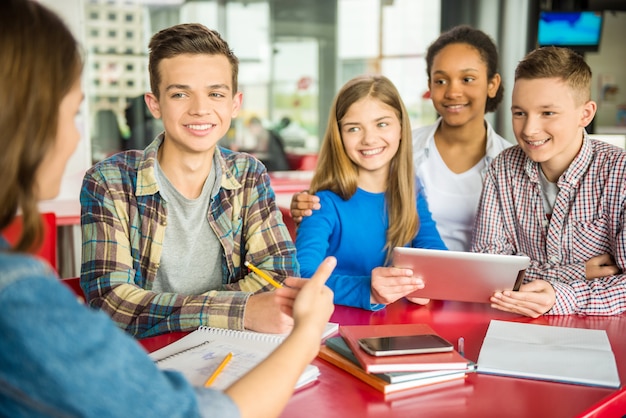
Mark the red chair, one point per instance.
(288, 221)
(302, 161)
(48, 249)
(73, 283)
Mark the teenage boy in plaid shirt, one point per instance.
(166, 230)
(558, 196)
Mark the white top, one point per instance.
(452, 198)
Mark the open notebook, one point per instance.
(198, 354)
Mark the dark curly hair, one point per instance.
(477, 39)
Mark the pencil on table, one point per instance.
(263, 275)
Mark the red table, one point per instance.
(338, 394)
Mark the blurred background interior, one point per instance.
(295, 55)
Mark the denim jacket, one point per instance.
(59, 358)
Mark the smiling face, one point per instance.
(459, 85)
(548, 122)
(371, 131)
(50, 172)
(196, 101)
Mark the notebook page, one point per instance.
(198, 354)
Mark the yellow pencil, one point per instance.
(218, 370)
(263, 275)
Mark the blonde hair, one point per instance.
(337, 173)
(40, 62)
(561, 63)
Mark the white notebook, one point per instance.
(198, 354)
(570, 355)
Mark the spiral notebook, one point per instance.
(198, 354)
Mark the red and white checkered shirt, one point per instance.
(588, 220)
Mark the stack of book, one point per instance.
(390, 374)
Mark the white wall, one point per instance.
(609, 66)
(512, 48)
(72, 11)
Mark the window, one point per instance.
(293, 58)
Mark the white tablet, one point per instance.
(462, 276)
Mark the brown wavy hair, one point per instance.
(39, 63)
(337, 173)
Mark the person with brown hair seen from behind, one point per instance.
(558, 197)
(166, 230)
(58, 358)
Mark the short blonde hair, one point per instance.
(556, 62)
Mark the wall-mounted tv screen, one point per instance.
(577, 30)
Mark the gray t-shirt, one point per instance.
(191, 262)
(549, 191)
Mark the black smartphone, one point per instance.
(405, 344)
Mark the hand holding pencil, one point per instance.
(287, 295)
(312, 305)
(263, 311)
